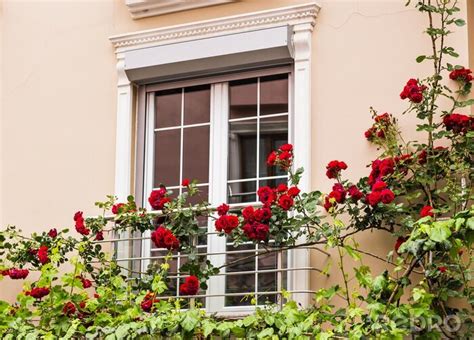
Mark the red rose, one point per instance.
(248, 213)
(285, 202)
(190, 286)
(379, 185)
(223, 209)
(286, 147)
(355, 193)
(369, 134)
(338, 193)
(256, 231)
(399, 242)
(266, 195)
(272, 157)
(43, 254)
(86, 283)
(262, 214)
(53, 233)
(334, 168)
(461, 74)
(69, 308)
(99, 236)
(442, 269)
(285, 156)
(158, 199)
(281, 188)
(387, 196)
(422, 156)
(96, 296)
(293, 191)
(18, 274)
(458, 123)
(227, 223)
(80, 225)
(116, 208)
(374, 198)
(82, 304)
(148, 301)
(164, 238)
(38, 292)
(427, 210)
(185, 182)
(327, 203)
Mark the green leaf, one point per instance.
(439, 232)
(420, 58)
(267, 332)
(460, 22)
(189, 322)
(352, 252)
(208, 327)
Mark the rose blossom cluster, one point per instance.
(38, 292)
(190, 286)
(380, 169)
(86, 283)
(256, 222)
(42, 254)
(148, 301)
(380, 127)
(282, 157)
(158, 198)
(333, 169)
(339, 193)
(461, 74)
(423, 155)
(164, 238)
(16, 273)
(458, 123)
(380, 193)
(80, 225)
(225, 223)
(413, 91)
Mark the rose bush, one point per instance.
(419, 193)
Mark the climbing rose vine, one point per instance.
(418, 193)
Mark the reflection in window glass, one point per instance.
(274, 94)
(168, 108)
(167, 157)
(243, 98)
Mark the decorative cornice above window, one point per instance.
(148, 8)
(291, 15)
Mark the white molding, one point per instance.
(148, 8)
(291, 15)
(301, 18)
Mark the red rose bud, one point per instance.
(190, 286)
(99, 236)
(53, 233)
(185, 182)
(38, 292)
(427, 210)
(86, 283)
(334, 168)
(82, 304)
(43, 254)
(271, 159)
(223, 209)
(461, 74)
(69, 308)
(116, 208)
(399, 242)
(227, 223)
(80, 226)
(286, 147)
(442, 269)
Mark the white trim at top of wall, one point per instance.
(291, 15)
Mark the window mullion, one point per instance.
(218, 186)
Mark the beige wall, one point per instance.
(58, 96)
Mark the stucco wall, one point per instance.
(58, 97)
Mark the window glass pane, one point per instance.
(241, 283)
(200, 197)
(168, 108)
(242, 192)
(167, 153)
(242, 149)
(196, 153)
(272, 183)
(243, 98)
(273, 133)
(274, 94)
(197, 104)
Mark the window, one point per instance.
(184, 139)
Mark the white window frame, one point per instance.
(301, 19)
